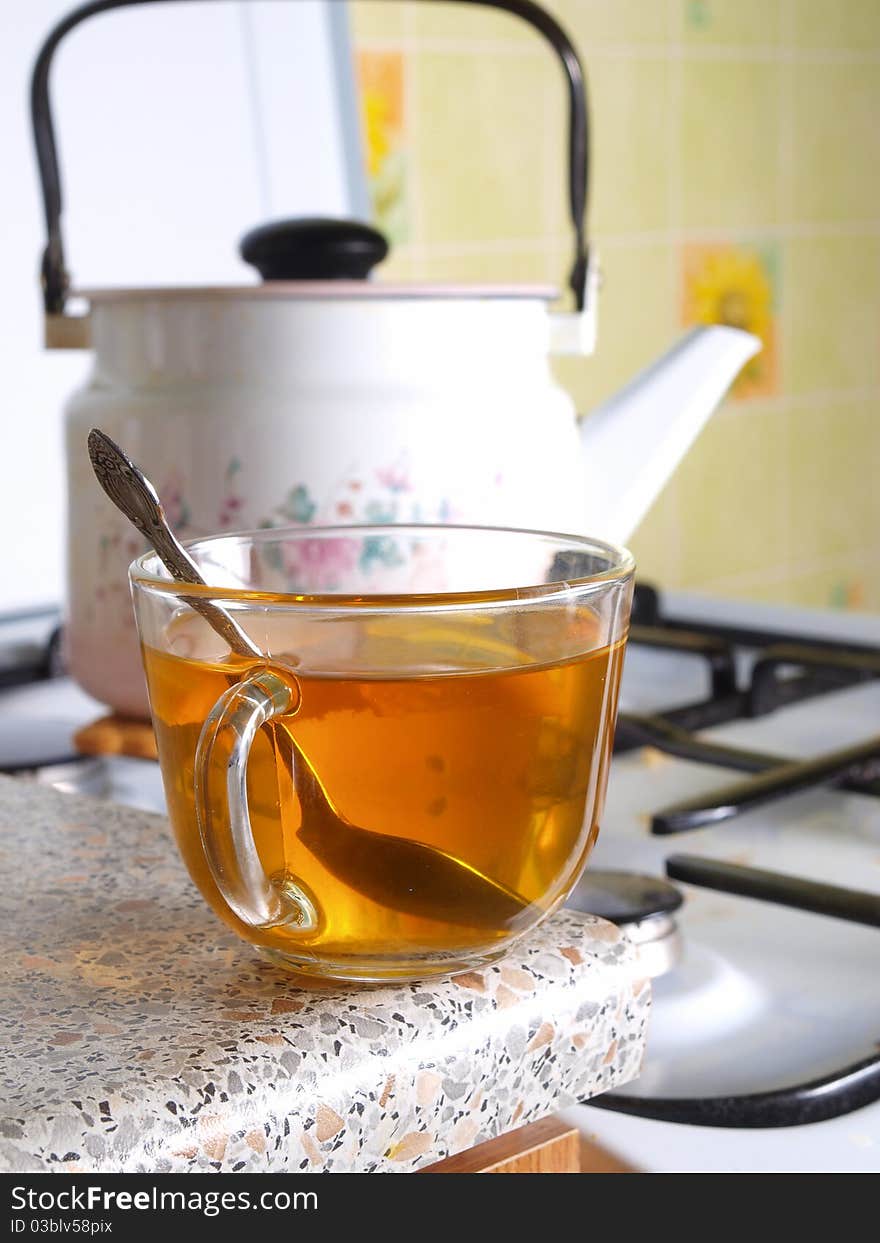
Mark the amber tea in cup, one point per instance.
(413, 776)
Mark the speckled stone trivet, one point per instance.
(140, 1035)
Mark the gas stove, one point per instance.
(746, 773)
(740, 848)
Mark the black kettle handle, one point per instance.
(54, 275)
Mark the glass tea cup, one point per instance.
(411, 776)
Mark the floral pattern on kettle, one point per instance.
(322, 565)
(386, 496)
(175, 504)
(232, 502)
(111, 600)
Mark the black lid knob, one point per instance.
(313, 250)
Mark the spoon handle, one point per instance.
(131, 492)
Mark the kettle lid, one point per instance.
(316, 248)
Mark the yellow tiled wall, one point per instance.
(736, 179)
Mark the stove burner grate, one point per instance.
(787, 670)
(829, 1096)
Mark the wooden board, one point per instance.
(117, 735)
(550, 1146)
(546, 1147)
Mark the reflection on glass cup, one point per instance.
(412, 776)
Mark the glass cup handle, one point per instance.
(260, 901)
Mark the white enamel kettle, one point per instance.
(320, 396)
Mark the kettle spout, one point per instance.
(634, 441)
